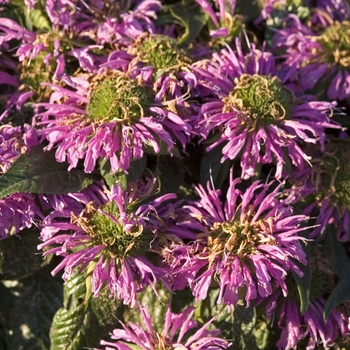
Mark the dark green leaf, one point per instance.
(192, 18)
(249, 9)
(82, 322)
(212, 169)
(74, 291)
(39, 172)
(238, 325)
(68, 329)
(156, 307)
(341, 265)
(136, 169)
(28, 307)
(20, 255)
(170, 173)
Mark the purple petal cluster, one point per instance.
(205, 155)
(252, 127)
(91, 123)
(175, 334)
(247, 244)
(107, 239)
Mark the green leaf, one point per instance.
(68, 329)
(29, 306)
(156, 307)
(39, 172)
(74, 291)
(249, 9)
(212, 169)
(36, 19)
(20, 255)
(136, 169)
(237, 325)
(81, 322)
(191, 17)
(171, 174)
(341, 265)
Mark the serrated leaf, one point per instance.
(68, 329)
(170, 173)
(192, 18)
(212, 169)
(39, 172)
(156, 307)
(237, 325)
(82, 323)
(341, 265)
(74, 291)
(29, 306)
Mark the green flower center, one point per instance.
(163, 53)
(263, 100)
(112, 234)
(335, 41)
(239, 239)
(118, 98)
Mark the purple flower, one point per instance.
(19, 210)
(308, 330)
(247, 244)
(255, 115)
(108, 239)
(326, 189)
(319, 54)
(109, 116)
(224, 24)
(175, 334)
(106, 23)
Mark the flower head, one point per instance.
(111, 115)
(258, 117)
(326, 187)
(18, 210)
(318, 53)
(248, 244)
(108, 239)
(310, 330)
(174, 335)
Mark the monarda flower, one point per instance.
(319, 55)
(107, 240)
(174, 336)
(110, 115)
(255, 114)
(159, 57)
(247, 244)
(19, 210)
(327, 187)
(162, 61)
(310, 330)
(274, 11)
